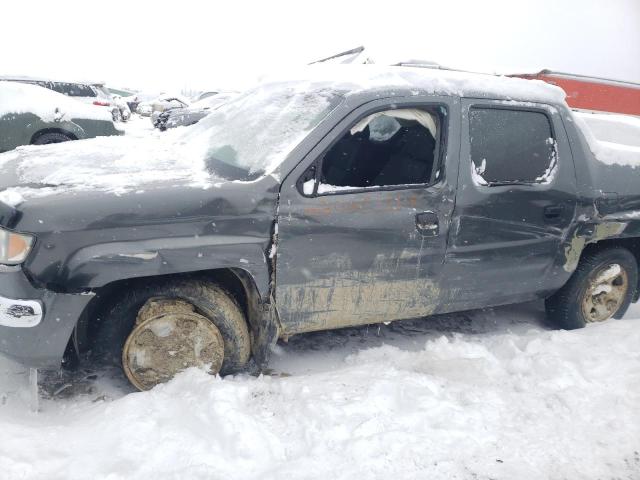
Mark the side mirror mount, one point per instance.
(307, 183)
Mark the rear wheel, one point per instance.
(601, 288)
(158, 330)
(51, 137)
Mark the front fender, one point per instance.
(97, 265)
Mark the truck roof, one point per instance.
(375, 78)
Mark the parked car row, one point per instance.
(41, 111)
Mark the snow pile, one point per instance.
(50, 106)
(613, 139)
(501, 399)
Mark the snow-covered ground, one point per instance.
(488, 394)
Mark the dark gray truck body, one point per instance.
(322, 261)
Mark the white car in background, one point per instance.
(95, 93)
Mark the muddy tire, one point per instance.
(208, 300)
(51, 137)
(602, 287)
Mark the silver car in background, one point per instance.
(192, 114)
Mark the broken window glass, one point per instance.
(394, 147)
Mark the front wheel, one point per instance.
(157, 330)
(602, 287)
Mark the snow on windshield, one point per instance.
(50, 106)
(613, 139)
(256, 131)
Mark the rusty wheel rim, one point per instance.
(162, 345)
(605, 293)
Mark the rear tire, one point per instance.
(602, 287)
(51, 137)
(209, 300)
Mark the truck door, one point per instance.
(516, 200)
(363, 220)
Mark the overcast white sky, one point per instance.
(165, 45)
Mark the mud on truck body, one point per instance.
(351, 196)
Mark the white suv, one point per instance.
(91, 93)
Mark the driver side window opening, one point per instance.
(398, 147)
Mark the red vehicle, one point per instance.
(593, 93)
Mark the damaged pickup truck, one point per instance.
(345, 196)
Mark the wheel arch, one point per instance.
(238, 282)
(44, 131)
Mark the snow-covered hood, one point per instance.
(121, 183)
(105, 164)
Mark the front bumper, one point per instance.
(36, 324)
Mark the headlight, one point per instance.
(14, 247)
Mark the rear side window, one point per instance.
(74, 89)
(511, 146)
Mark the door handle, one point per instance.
(427, 224)
(553, 212)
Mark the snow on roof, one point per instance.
(48, 105)
(357, 78)
(613, 139)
